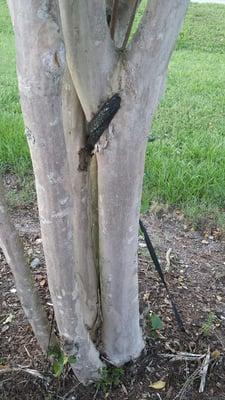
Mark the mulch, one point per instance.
(194, 265)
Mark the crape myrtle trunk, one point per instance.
(68, 67)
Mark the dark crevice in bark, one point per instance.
(130, 24)
(113, 18)
(93, 174)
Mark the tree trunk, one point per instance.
(26, 290)
(120, 187)
(83, 219)
(40, 72)
(89, 216)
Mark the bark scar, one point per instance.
(96, 127)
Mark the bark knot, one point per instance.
(54, 60)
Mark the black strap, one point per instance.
(161, 274)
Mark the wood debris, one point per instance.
(204, 371)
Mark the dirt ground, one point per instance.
(194, 264)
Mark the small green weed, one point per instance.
(208, 325)
(110, 377)
(156, 322)
(60, 360)
(3, 361)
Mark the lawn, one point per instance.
(185, 165)
(14, 153)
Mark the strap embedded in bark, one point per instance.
(96, 127)
(161, 274)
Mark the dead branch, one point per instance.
(204, 370)
(187, 384)
(182, 356)
(29, 371)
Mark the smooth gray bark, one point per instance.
(83, 218)
(89, 49)
(120, 182)
(91, 217)
(27, 292)
(40, 68)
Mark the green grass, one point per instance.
(185, 166)
(14, 154)
(204, 29)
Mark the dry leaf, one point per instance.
(8, 319)
(215, 354)
(142, 245)
(124, 389)
(42, 283)
(3, 366)
(158, 385)
(146, 297)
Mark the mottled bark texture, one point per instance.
(81, 186)
(26, 289)
(68, 66)
(41, 66)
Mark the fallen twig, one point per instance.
(188, 383)
(71, 392)
(33, 372)
(168, 253)
(95, 395)
(29, 355)
(204, 370)
(182, 356)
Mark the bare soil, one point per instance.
(195, 272)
